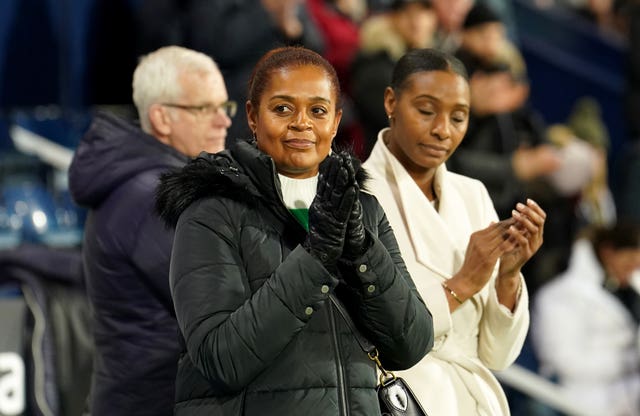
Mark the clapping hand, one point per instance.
(526, 232)
(484, 249)
(330, 210)
(512, 241)
(355, 239)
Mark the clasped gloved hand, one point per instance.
(355, 238)
(331, 209)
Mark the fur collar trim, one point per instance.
(206, 175)
(218, 174)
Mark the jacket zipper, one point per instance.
(343, 408)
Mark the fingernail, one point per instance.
(515, 213)
(519, 205)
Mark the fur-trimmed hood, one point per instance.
(206, 175)
(243, 173)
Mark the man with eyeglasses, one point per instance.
(183, 109)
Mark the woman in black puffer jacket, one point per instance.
(265, 232)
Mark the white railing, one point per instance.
(541, 389)
(48, 151)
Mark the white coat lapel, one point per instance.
(429, 233)
(453, 210)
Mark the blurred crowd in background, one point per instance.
(555, 98)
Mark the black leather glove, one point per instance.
(330, 210)
(355, 238)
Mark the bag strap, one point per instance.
(366, 345)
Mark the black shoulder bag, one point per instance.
(394, 395)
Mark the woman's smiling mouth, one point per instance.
(299, 143)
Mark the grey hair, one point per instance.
(157, 77)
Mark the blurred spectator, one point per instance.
(585, 322)
(493, 61)
(184, 109)
(499, 83)
(584, 143)
(339, 22)
(450, 16)
(384, 38)
(237, 32)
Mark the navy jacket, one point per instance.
(126, 253)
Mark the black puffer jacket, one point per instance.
(126, 253)
(261, 336)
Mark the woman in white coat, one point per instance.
(464, 262)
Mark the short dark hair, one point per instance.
(623, 234)
(480, 14)
(288, 57)
(425, 60)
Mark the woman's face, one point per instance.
(451, 13)
(416, 24)
(296, 120)
(485, 40)
(430, 116)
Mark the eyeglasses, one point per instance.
(207, 110)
